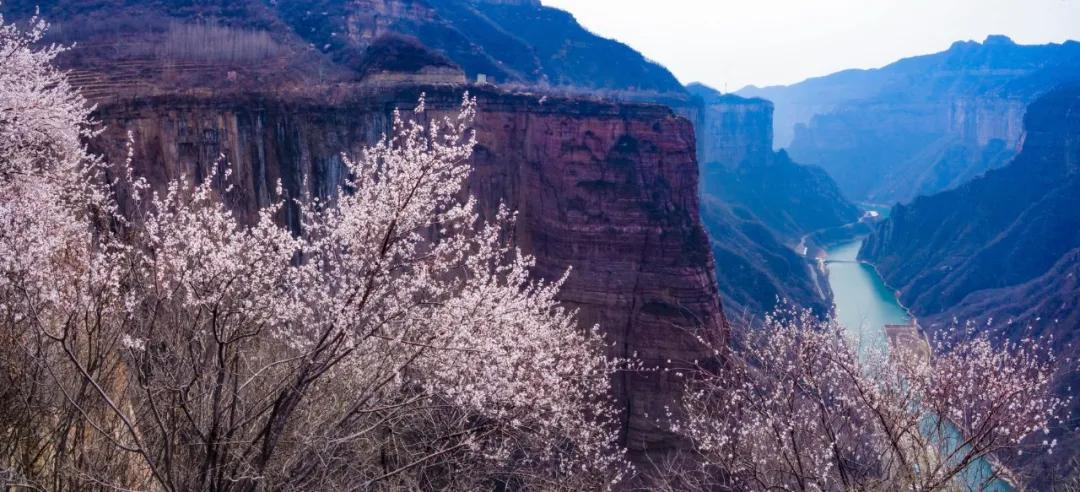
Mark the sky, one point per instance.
(729, 44)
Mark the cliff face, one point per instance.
(1002, 251)
(923, 124)
(732, 130)
(608, 189)
(758, 205)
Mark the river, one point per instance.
(864, 305)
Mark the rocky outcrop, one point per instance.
(923, 124)
(608, 189)
(1002, 250)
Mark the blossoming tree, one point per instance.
(153, 340)
(802, 408)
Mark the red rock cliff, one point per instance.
(610, 189)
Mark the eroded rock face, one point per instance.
(609, 189)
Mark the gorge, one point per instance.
(758, 206)
(684, 220)
(976, 143)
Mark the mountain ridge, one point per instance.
(922, 124)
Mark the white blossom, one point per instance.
(397, 341)
(798, 406)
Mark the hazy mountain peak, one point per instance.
(921, 124)
(998, 40)
(993, 40)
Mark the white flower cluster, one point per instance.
(801, 407)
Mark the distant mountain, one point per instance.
(922, 124)
(758, 205)
(1003, 250)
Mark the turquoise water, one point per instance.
(864, 305)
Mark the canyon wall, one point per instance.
(896, 151)
(608, 189)
(1004, 228)
(732, 130)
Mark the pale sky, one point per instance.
(731, 43)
